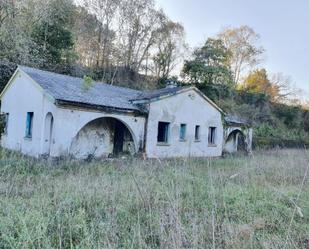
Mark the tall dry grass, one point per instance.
(235, 202)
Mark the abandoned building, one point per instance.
(58, 115)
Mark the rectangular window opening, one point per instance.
(29, 124)
(5, 122)
(212, 136)
(197, 133)
(182, 132)
(163, 132)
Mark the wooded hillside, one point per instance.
(134, 44)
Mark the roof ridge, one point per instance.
(149, 94)
(47, 71)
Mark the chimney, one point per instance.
(171, 84)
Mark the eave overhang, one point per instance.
(107, 109)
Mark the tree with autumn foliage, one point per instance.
(258, 82)
(278, 87)
(243, 44)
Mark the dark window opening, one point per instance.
(4, 123)
(197, 133)
(212, 136)
(182, 132)
(163, 132)
(29, 124)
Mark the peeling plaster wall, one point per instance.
(191, 109)
(68, 123)
(96, 139)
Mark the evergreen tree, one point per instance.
(209, 64)
(53, 34)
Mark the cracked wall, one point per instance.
(96, 139)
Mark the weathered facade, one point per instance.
(56, 115)
(237, 135)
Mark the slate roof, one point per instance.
(148, 95)
(233, 119)
(70, 89)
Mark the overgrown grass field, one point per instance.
(260, 201)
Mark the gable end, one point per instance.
(21, 72)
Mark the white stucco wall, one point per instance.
(24, 95)
(180, 109)
(68, 122)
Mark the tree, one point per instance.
(169, 47)
(259, 82)
(14, 41)
(128, 36)
(6, 71)
(286, 92)
(6, 8)
(138, 27)
(245, 53)
(306, 119)
(209, 64)
(105, 12)
(86, 37)
(53, 34)
(278, 87)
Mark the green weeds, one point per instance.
(233, 202)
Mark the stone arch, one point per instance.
(48, 133)
(103, 137)
(237, 139)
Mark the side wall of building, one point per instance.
(191, 109)
(23, 95)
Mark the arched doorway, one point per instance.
(235, 142)
(48, 133)
(103, 137)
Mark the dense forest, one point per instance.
(132, 43)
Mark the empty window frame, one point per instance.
(182, 132)
(212, 135)
(163, 132)
(29, 124)
(6, 124)
(5, 121)
(197, 133)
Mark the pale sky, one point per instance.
(282, 24)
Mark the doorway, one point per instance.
(48, 133)
(119, 133)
